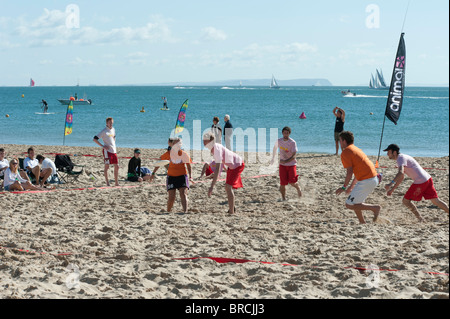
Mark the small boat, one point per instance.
(75, 101)
(274, 84)
(348, 93)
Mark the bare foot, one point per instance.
(376, 213)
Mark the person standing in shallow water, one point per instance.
(339, 126)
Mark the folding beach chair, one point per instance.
(65, 168)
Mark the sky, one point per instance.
(132, 42)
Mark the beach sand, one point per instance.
(85, 241)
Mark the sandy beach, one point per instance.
(85, 241)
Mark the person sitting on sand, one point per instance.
(4, 164)
(48, 170)
(288, 163)
(14, 182)
(422, 186)
(235, 164)
(135, 173)
(179, 173)
(34, 169)
(366, 178)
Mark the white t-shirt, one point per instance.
(413, 169)
(30, 162)
(109, 139)
(287, 149)
(48, 163)
(226, 157)
(11, 178)
(3, 163)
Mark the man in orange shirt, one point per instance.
(366, 178)
(177, 174)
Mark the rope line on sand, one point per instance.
(116, 187)
(241, 261)
(222, 260)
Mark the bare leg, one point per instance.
(184, 199)
(171, 199)
(105, 172)
(37, 173)
(409, 204)
(358, 208)
(297, 187)
(337, 147)
(231, 198)
(44, 175)
(440, 204)
(283, 191)
(116, 174)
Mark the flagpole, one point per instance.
(381, 140)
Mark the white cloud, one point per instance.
(51, 29)
(213, 34)
(79, 62)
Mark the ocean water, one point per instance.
(422, 130)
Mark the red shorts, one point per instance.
(425, 190)
(209, 171)
(110, 158)
(234, 177)
(288, 175)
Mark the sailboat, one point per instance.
(274, 84)
(378, 81)
(31, 82)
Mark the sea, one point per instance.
(257, 114)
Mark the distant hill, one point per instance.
(259, 82)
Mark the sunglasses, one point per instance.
(14, 163)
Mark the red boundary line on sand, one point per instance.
(115, 187)
(241, 261)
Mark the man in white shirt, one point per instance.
(32, 167)
(422, 186)
(4, 164)
(108, 135)
(48, 169)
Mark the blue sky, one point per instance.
(145, 42)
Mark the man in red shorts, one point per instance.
(223, 156)
(108, 135)
(422, 186)
(288, 163)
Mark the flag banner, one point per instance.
(69, 119)
(181, 118)
(397, 88)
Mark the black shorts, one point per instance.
(177, 182)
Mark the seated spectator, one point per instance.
(31, 166)
(14, 182)
(136, 173)
(4, 164)
(48, 170)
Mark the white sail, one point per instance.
(274, 84)
(378, 81)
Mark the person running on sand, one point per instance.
(422, 186)
(235, 164)
(179, 173)
(288, 163)
(108, 135)
(366, 178)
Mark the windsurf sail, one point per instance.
(179, 126)
(31, 82)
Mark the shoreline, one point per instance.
(125, 245)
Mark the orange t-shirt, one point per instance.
(363, 168)
(176, 165)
